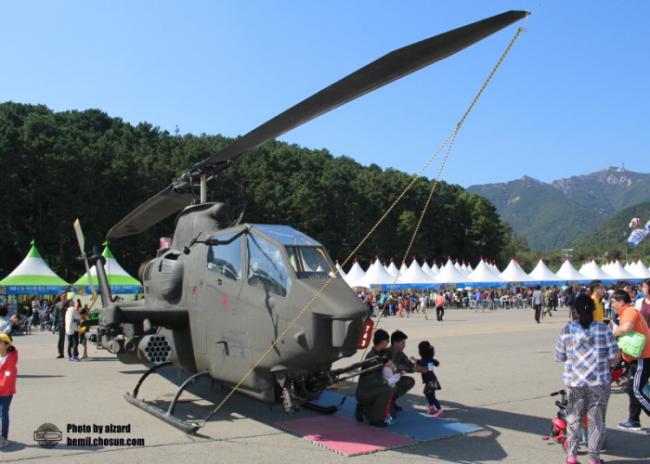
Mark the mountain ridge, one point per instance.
(551, 215)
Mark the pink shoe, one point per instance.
(432, 410)
(439, 414)
(572, 460)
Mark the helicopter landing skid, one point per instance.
(333, 409)
(168, 415)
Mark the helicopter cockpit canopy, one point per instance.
(307, 256)
(309, 262)
(272, 251)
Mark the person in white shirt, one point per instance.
(72, 321)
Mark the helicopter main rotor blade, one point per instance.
(151, 212)
(380, 72)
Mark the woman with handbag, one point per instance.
(587, 348)
(631, 320)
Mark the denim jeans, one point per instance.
(73, 343)
(5, 401)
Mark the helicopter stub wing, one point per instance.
(380, 72)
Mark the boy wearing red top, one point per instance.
(630, 319)
(8, 371)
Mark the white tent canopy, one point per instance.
(639, 270)
(450, 275)
(593, 272)
(426, 268)
(415, 275)
(495, 268)
(616, 270)
(430, 272)
(514, 273)
(483, 275)
(392, 270)
(605, 267)
(376, 275)
(435, 269)
(569, 273)
(544, 275)
(355, 274)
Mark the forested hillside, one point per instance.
(60, 166)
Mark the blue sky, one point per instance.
(571, 98)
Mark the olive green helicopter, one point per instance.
(224, 291)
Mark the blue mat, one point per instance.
(416, 425)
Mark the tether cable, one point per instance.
(448, 142)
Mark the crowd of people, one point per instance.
(587, 345)
(67, 316)
(406, 303)
(543, 299)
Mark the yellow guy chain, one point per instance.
(449, 142)
(372, 230)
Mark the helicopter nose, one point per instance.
(342, 330)
(338, 334)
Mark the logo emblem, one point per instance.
(48, 435)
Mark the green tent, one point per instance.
(119, 280)
(33, 277)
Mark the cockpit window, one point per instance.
(266, 266)
(308, 261)
(226, 259)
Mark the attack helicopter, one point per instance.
(220, 295)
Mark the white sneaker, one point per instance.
(3, 442)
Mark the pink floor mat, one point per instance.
(344, 435)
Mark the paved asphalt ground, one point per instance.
(497, 370)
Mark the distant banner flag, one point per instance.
(637, 236)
